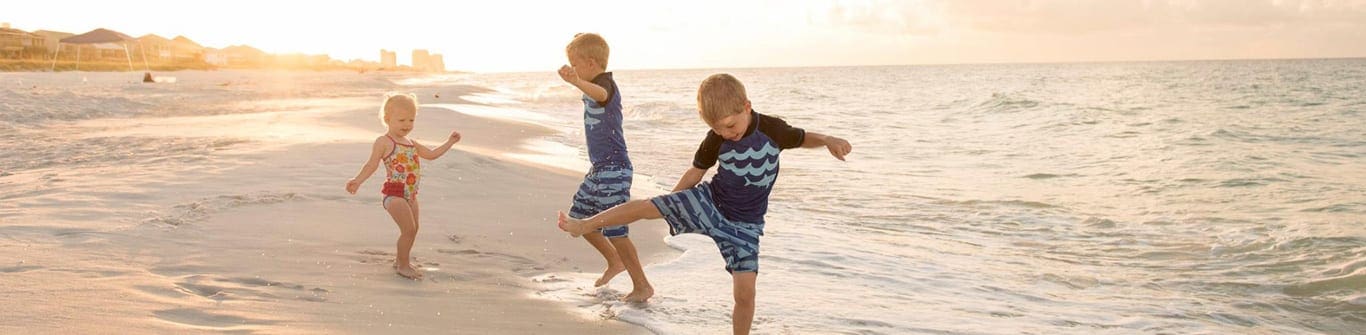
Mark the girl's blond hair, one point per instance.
(396, 102)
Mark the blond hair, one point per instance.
(397, 102)
(720, 95)
(591, 46)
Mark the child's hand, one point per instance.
(455, 137)
(568, 74)
(838, 147)
(352, 186)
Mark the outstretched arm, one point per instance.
(690, 179)
(376, 151)
(598, 93)
(838, 147)
(430, 154)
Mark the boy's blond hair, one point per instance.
(720, 95)
(591, 46)
(397, 102)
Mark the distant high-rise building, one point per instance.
(437, 63)
(421, 59)
(388, 59)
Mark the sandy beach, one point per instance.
(236, 220)
(981, 199)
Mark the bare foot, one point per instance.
(408, 272)
(573, 226)
(640, 294)
(411, 268)
(607, 275)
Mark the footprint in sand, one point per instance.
(550, 279)
(235, 288)
(477, 253)
(207, 291)
(458, 252)
(198, 318)
(261, 282)
(19, 268)
(376, 257)
(519, 264)
(374, 252)
(84, 273)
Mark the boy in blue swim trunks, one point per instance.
(730, 208)
(608, 182)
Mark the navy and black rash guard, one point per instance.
(602, 125)
(749, 166)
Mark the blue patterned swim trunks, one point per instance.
(693, 211)
(603, 187)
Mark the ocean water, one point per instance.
(1219, 197)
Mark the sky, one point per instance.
(511, 35)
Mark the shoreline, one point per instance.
(41, 66)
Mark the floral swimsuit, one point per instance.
(401, 167)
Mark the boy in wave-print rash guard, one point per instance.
(730, 208)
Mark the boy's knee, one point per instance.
(744, 299)
(645, 208)
(744, 288)
(744, 296)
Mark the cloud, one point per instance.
(878, 17)
(989, 31)
(1270, 12)
(1089, 16)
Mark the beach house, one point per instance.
(155, 48)
(185, 50)
(19, 44)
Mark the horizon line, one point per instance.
(958, 64)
